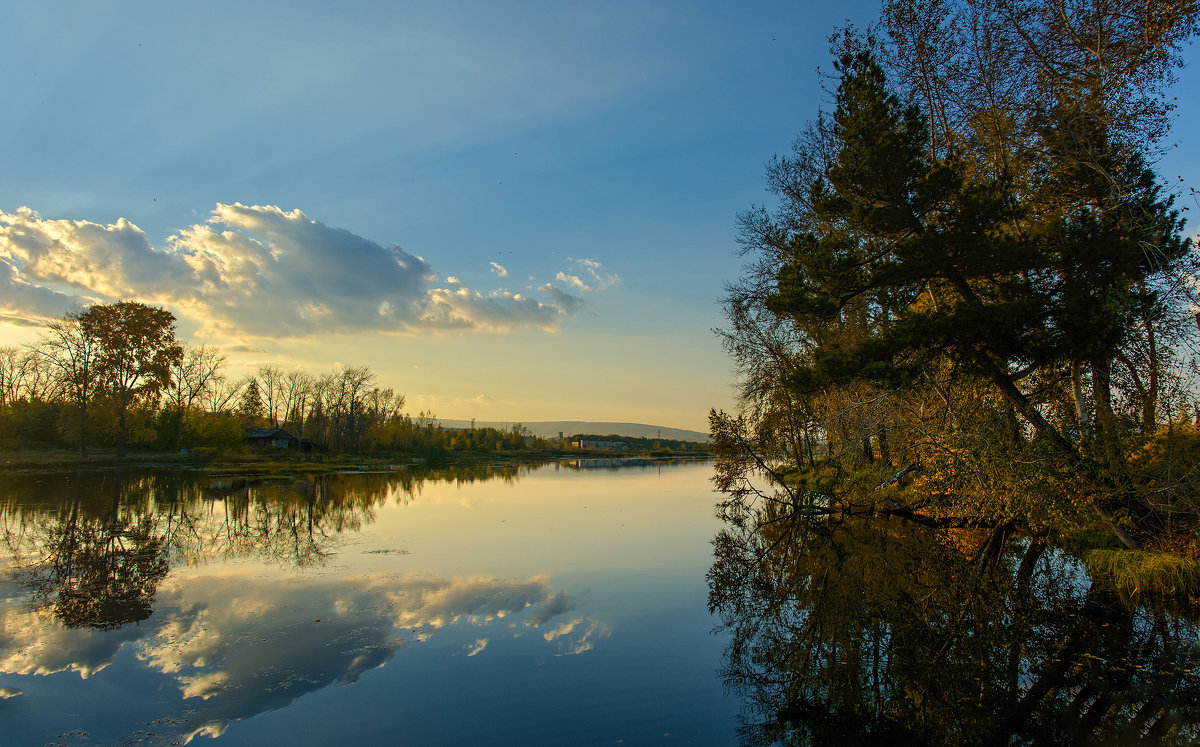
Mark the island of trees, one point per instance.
(973, 305)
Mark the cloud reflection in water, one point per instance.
(237, 644)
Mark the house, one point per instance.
(277, 437)
(603, 445)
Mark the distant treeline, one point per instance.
(114, 376)
(60, 393)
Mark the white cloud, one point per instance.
(114, 260)
(589, 278)
(574, 281)
(22, 302)
(462, 308)
(561, 299)
(499, 269)
(255, 271)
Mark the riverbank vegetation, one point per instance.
(974, 304)
(111, 383)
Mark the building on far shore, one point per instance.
(277, 437)
(601, 445)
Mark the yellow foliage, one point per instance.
(1148, 573)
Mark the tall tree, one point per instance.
(902, 268)
(136, 349)
(250, 405)
(72, 353)
(193, 378)
(298, 398)
(271, 383)
(1067, 100)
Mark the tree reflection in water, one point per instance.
(94, 564)
(876, 630)
(94, 547)
(93, 552)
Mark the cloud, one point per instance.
(34, 641)
(561, 299)
(555, 605)
(573, 281)
(257, 271)
(25, 303)
(461, 308)
(590, 277)
(113, 261)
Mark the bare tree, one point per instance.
(198, 372)
(222, 395)
(10, 357)
(71, 353)
(297, 398)
(271, 382)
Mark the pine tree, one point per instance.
(250, 407)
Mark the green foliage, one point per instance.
(216, 430)
(250, 407)
(914, 311)
(135, 352)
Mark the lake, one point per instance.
(563, 603)
(557, 604)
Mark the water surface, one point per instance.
(560, 604)
(882, 631)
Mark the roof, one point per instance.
(268, 433)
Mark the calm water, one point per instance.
(879, 631)
(560, 604)
(553, 605)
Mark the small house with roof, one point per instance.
(275, 437)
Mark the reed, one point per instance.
(1157, 574)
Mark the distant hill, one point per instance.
(548, 428)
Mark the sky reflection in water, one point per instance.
(518, 605)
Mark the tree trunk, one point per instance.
(121, 429)
(1102, 394)
(1081, 408)
(83, 427)
(1022, 404)
(1150, 403)
(179, 434)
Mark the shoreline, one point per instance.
(22, 461)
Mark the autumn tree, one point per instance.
(926, 288)
(1067, 101)
(135, 351)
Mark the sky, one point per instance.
(513, 211)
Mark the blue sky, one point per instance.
(511, 211)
